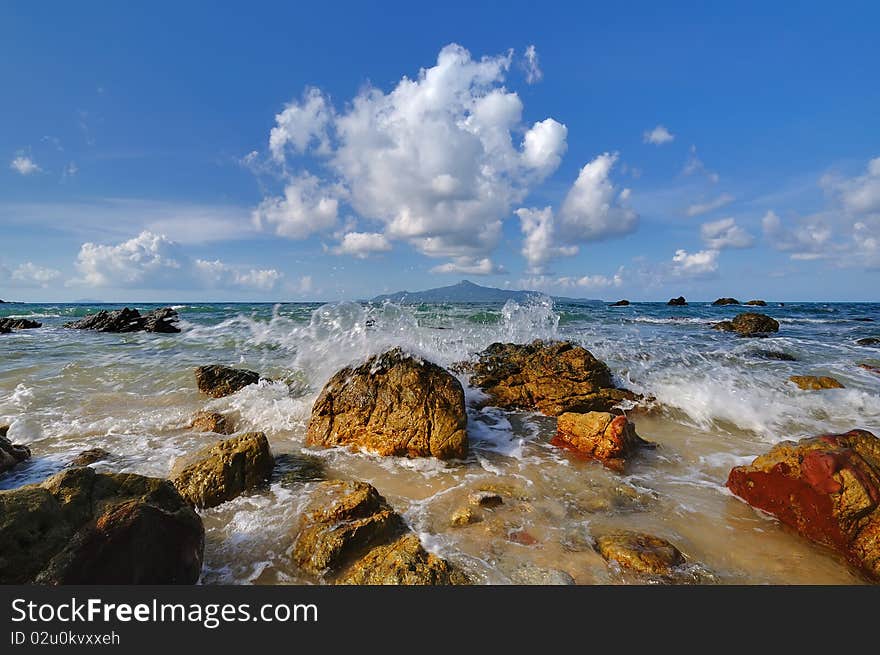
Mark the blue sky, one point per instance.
(272, 151)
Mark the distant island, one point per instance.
(467, 291)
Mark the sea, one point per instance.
(718, 401)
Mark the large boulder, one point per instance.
(10, 453)
(218, 381)
(129, 320)
(827, 488)
(815, 382)
(224, 470)
(640, 552)
(598, 435)
(551, 377)
(678, 302)
(726, 301)
(350, 535)
(393, 404)
(82, 527)
(749, 324)
(19, 323)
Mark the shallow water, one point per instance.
(719, 404)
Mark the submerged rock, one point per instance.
(827, 488)
(640, 552)
(18, 324)
(870, 368)
(89, 456)
(10, 453)
(224, 470)
(757, 303)
(726, 301)
(402, 562)
(129, 320)
(551, 377)
(218, 381)
(393, 404)
(678, 302)
(620, 303)
(485, 499)
(599, 435)
(464, 516)
(291, 470)
(749, 324)
(869, 341)
(82, 527)
(775, 355)
(815, 383)
(527, 574)
(204, 421)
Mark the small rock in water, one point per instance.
(726, 301)
(749, 324)
(864, 319)
(129, 320)
(678, 302)
(815, 383)
(620, 303)
(291, 470)
(533, 575)
(224, 470)
(870, 367)
(869, 341)
(757, 303)
(599, 435)
(10, 453)
(775, 355)
(485, 499)
(463, 516)
(640, 552)
(218, 381)
(90, 456)
(205, 421)
(522, 537)
(7, 324)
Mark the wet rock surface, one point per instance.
(815, 383)
(776, 355)
(10, 453)
(551, 377)
(205, 421)
(757, 303)
(620, 303)
(402, 562)
(640, 552)
(161, 320)
(869, 341)
(827, 488)
(224, 470)
(82, 527)
(677, 302)
(749, 324)
(218, 381)
(89, 456)
(726, 301)
(393, 404)
(7, 324)
(599, 435)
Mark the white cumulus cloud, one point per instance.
(719, 235)
(658, 136)
(470, 266)
(307, 207)
(32, 275)
(810, 238)
(362, 244)
(24, 165)
(703, 263)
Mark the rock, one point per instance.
(815, 383)
(864, 319)
(775, 355)
(402, 562)
(4, 330)
(89, 456)
(218, 381)
(10, 453)
(291, 470)
(869, 341)
(334, 533)
(757, 303)
(598, 435)
(393, 404)
(551, 377)
(222, 471)
(826, 487)
(485, 499)
(749, 324)
(533, 575)
(620, 303)
(204, 421)
(464, 516)
(82, 527)
(678, 302)
(128, 320)
(18, 324)
(726, 301)
(640, 552)
(871, 368)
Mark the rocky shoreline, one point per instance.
(83, 527)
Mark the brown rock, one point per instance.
(724, 326)
(82, 527)
(18, 324)
(393, 404)
(619, 303)
(871, 368)
(827, 488)
(218, 381)
(598, 435)
(553, 378)
(815, 383)
(89, 456)
(10, 453)
(757, 303)
(224, 470)
(464, 516)
(726, 301)
(485, 499)
(752, 324)
(402, 562)
(204, 421)
(345, 520)
(640, 552)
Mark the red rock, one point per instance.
(522, 537)
(827, 488)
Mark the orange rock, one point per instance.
(598, 435)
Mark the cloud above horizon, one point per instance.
(24, 165)
(658, 136)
